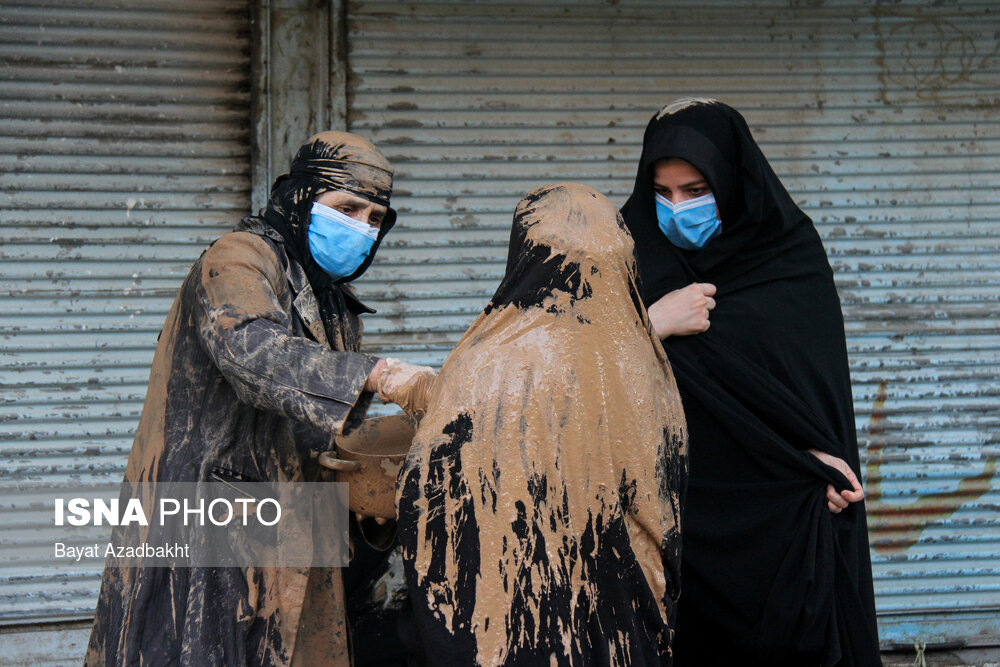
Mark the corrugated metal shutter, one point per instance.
(881, 119)
(124, 151)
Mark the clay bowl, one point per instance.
(369, 460)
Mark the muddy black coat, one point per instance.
(243, 385)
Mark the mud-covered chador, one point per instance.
(538, 509)
(257, 365)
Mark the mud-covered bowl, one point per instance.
(369, 460)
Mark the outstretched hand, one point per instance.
(406, 385)
(684, 311)
(837, 501)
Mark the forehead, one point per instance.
(335, 197)
(675, 171)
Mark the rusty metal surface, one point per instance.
(882, 122)
(124, 151)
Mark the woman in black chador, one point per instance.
(776, 568)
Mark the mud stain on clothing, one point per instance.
(539, 506)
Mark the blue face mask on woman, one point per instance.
(338, 242)
(690, 224)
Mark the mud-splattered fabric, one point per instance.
(243, 386)
(347, 162)
(771, 577)
(539, 506)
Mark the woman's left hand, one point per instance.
(838, 500)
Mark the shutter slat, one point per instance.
(124, 149)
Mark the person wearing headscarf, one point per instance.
(539, 504)
(776, 568)
(257, 365)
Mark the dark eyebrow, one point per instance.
(354, 200)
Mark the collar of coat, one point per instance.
(305, 300)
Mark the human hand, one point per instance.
(684, 311)
(838, 500)
(406, 385)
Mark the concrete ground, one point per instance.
(980, 657)
(62, 644)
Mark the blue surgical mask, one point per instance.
(690, 224)
(338, 242)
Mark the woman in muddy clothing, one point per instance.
(776, 569)
(257, 365)
(538, 508)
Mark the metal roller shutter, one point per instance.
(881, 120)
(124, 151)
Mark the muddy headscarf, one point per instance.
(329, 161)
(770, 575)
(538, 508)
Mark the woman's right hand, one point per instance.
(684, 311)
(406, 385)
